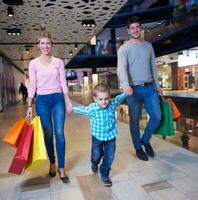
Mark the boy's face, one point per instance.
(102, 99)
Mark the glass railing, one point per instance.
(185, 85)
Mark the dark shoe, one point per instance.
(52, 174)
(94, 168)
(106, 181)
(64, 179)
(141, 154)
(148, 148)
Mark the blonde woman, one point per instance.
(47, 80)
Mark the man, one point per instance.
(23, 91)
(138, 79)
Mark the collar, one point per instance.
(99, 107)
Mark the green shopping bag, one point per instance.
(166, 126)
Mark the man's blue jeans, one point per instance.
(148, 96)
(51, 109)
(104, 150)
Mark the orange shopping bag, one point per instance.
(14, 134)
(175, 110)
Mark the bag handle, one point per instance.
(162, 97)
(29, 119)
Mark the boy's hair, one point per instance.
(101, 87)
(132, 20)
(45, 34)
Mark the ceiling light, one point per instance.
(13, 2)
(75, 46)
(70, 53)
(27, 50)
(13, 31)
(88, 23)
(10, 12)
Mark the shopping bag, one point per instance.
(38, 152)
(21, 156)
(175, 110)
(166, 126)
(14, 134)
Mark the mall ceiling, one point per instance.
(170, 27)
(62, 18)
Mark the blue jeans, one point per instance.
(104, 150)
(148, 96)
(51, 109)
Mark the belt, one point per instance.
(144, 84)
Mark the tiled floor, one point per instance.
(172, 174)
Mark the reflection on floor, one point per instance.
(172, 174)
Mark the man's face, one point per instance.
(102, 99)
(135, 30)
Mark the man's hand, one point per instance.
(160, 91)
(127, 90)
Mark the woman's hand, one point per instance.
(29, 113)
(69, 107)
(68, 103)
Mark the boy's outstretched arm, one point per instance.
(118, 99)
(84, 110)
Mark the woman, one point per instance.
(47, 80)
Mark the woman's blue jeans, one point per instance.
(104, 150)
(148, 96)
(51, 109)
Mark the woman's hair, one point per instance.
(45, 34)
(132, 20)
(101, 87)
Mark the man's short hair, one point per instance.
(132, 20)
(101, 87)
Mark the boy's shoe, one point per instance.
(141, 154)
(148, 149)
(106, 181)
(94, 168)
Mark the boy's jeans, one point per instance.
(149, 96)
(105, 150)
(51, 109)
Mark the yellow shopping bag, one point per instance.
(38, 152)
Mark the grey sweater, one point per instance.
(136, 64)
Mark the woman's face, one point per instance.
(45, 46)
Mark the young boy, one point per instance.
(104, 129)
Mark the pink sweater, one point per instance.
(46, 79)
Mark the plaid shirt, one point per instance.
(102, 120)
